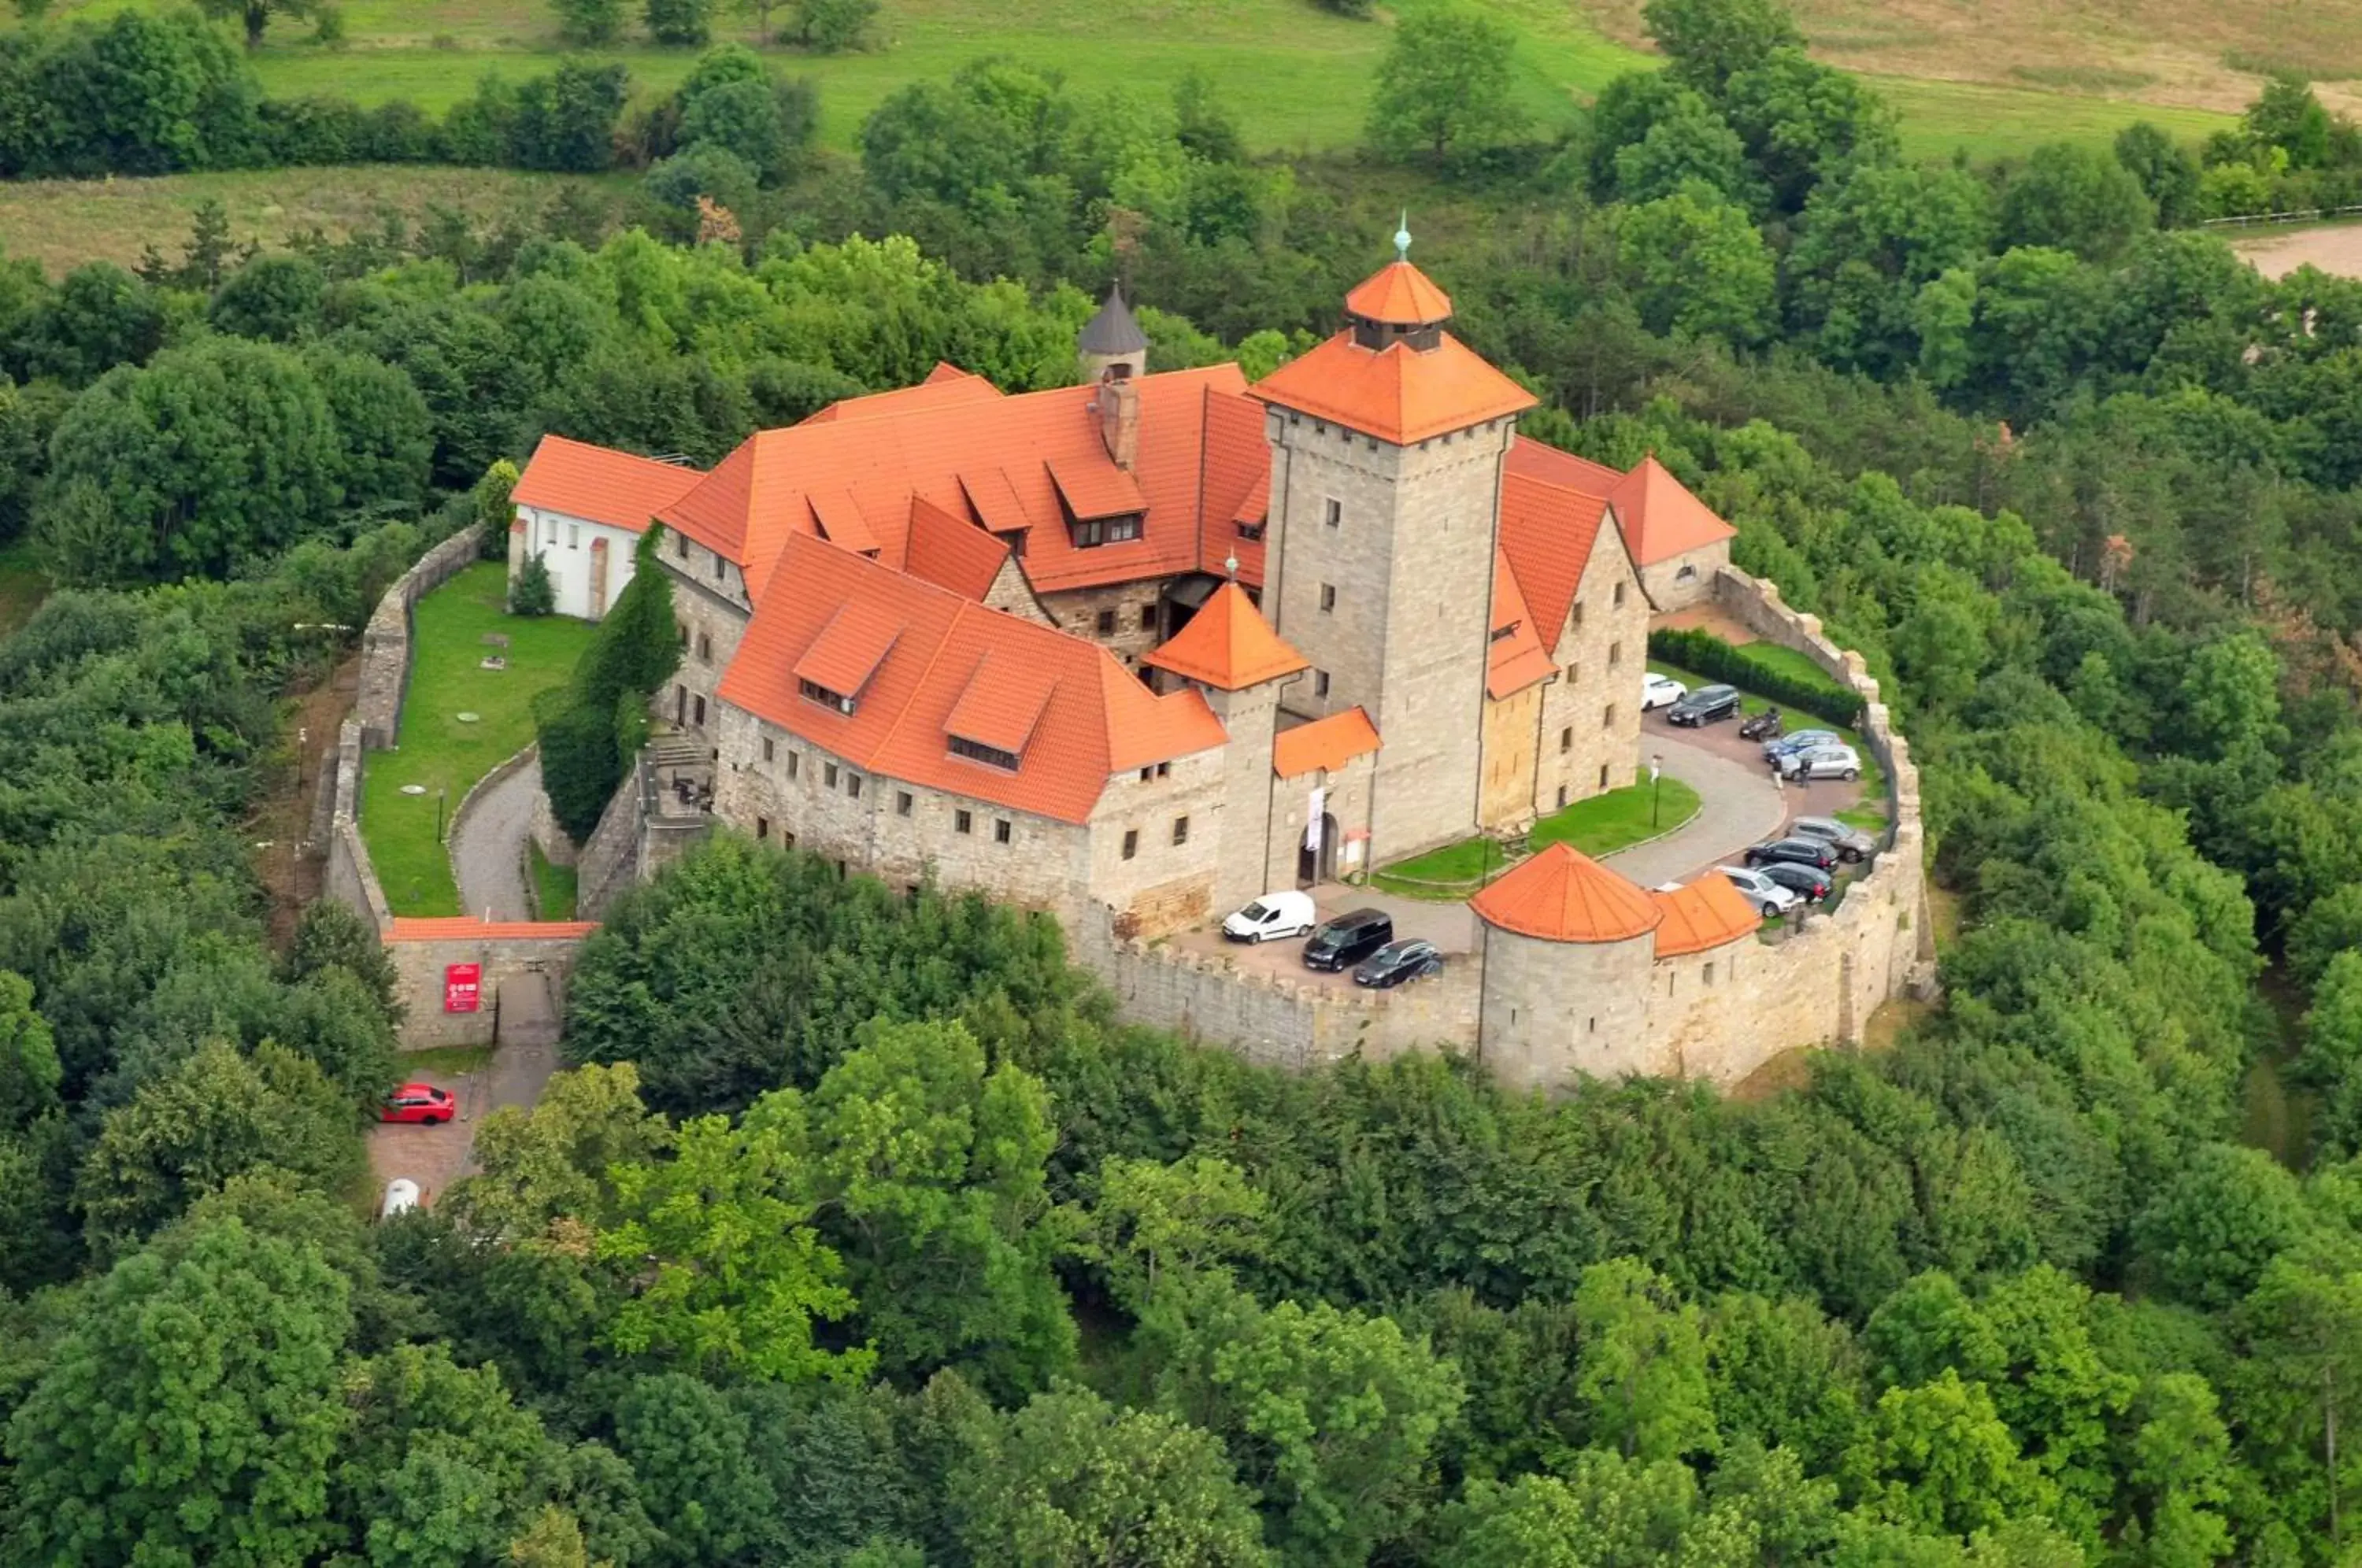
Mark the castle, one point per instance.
(1144, 647)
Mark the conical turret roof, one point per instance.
(1114, 330)
(1561, 895)
(1229, 646)
(1400, 295)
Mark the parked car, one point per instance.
(1851, 843)
(1813, 851)
(1704, 706)
(1822, 762)
(1808, 883)
(1765, 894)
(1344, 942)
(1661, 691)
(1797, 740)
(400, 1197)
(1274, 914)
(1396, 962)
(419, 1102)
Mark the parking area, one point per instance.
(1449, 926)
(1824, 798)
(434, 1157)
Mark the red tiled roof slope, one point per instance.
(1096, 721)
(448, 928)
(1561, 895)
(599, 485)
(1400, 295)
(951, 552)
(1705, 913)
(1662, 519)
(1329, 743)
(1398, 394)
(1517, 657)
(1229, 646)
(1547, 531)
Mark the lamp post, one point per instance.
(439, 813)
(1656, 785)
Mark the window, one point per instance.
(1320, 683)
(762, 827)
(990, 756)
(1603, 776)
(1091, 532)
(1709, 973)
(1620, 596)
(705, 648)
(1156, 771)
(1500, 633)
(962, 822)
(769, 755)
(1328, 598)
(1615, 655)
(1578, 611)
(1574, 670)
(1566, 738)
(824, 696)
(1001, 830)
(828, 775)
(852, 784)
(1130, 842)
(1107, 622)
(720, 569)
(901, 802)
(1180, 830)
(787, 841)
(1562, 794)
(1684, 575)
(684, 632)
(680, 704)
(696, 707)
(1607, 717)
(795, 760)
(1334, 512)
(1250, 530)
(680, 546)
(573, 536)
(1148, 617)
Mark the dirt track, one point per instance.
(2332, 247)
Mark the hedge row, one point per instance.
(1710, 655)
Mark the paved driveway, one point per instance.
(488, 846)
(1449, 926)
(434, 1157)
(1740, 802)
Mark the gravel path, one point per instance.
(488, 846)
(1738, 806)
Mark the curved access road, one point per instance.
(488, 846)
(1738, 806)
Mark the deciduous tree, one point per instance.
(1445, 85)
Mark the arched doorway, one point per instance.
(1317, 863)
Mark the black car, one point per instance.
(1342, 942)
(1816, 852)
(1805, 881)
(1396, 962)
(1704, 706)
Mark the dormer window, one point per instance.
(990, 756)
(1500, 633)
(1089, 532)
(814, 690)
(1251, 530)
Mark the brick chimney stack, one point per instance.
(1118, 401)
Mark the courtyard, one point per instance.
(459, 721)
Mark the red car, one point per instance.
(418, 1102)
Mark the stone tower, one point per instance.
(1387, 447)
(1111, 345)
(1241, 667)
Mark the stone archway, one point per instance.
(1317, 863)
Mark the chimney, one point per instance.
(1118, 401)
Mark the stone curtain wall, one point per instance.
(608, 865)
(385, 642)
(351, 878)
(523, 983)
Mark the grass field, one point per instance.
(1600, 826)
(1299, 76)
(435, 749)
(553, 887)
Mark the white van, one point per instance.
(1274, 914)
(400, 1197)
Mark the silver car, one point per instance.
(1822, 762)
(1765, 894)
(1779, 746)
(1850, 843)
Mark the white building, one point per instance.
(582, 509)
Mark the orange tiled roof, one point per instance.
(1329, 743)
(1229, 646)
(1547, 528)
(1001, 705)
(599, 485)
(1560, 895)
(1238, 485)
(851, 646)
(951, 552)
(1095, 488)
(942, 444)
(1398, 394)
(1096, 722)
(448, 928)
(1706, 913)
(1539, 460)
(1516, 659)
(840, 522)
(1662, 519)
(1400, 295)
(947, 386)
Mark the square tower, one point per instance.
(1387, 445)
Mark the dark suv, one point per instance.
(1344, 942)
(1816, 852)
(1704, 706)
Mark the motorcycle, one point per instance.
(1764, 726)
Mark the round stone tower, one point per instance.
(1568, 945)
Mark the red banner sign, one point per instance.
(463, 989)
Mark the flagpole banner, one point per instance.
(1313, 810)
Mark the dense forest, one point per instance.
(863, 1235)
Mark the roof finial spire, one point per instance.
(1402, 238)
(1230, 566)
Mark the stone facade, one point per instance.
(1505, 798)
(522, 977)
(709, 600)
(1125, 618)
(1382, 575)
(1679, 581)
(1344, 801)
(1589, 738)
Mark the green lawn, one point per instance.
(553, 887)
(22, 586)
(1298, 75)
(434, 749)
(1600, 826)
(1870, 814)
(445, 1061)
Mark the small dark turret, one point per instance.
(1111, 345)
